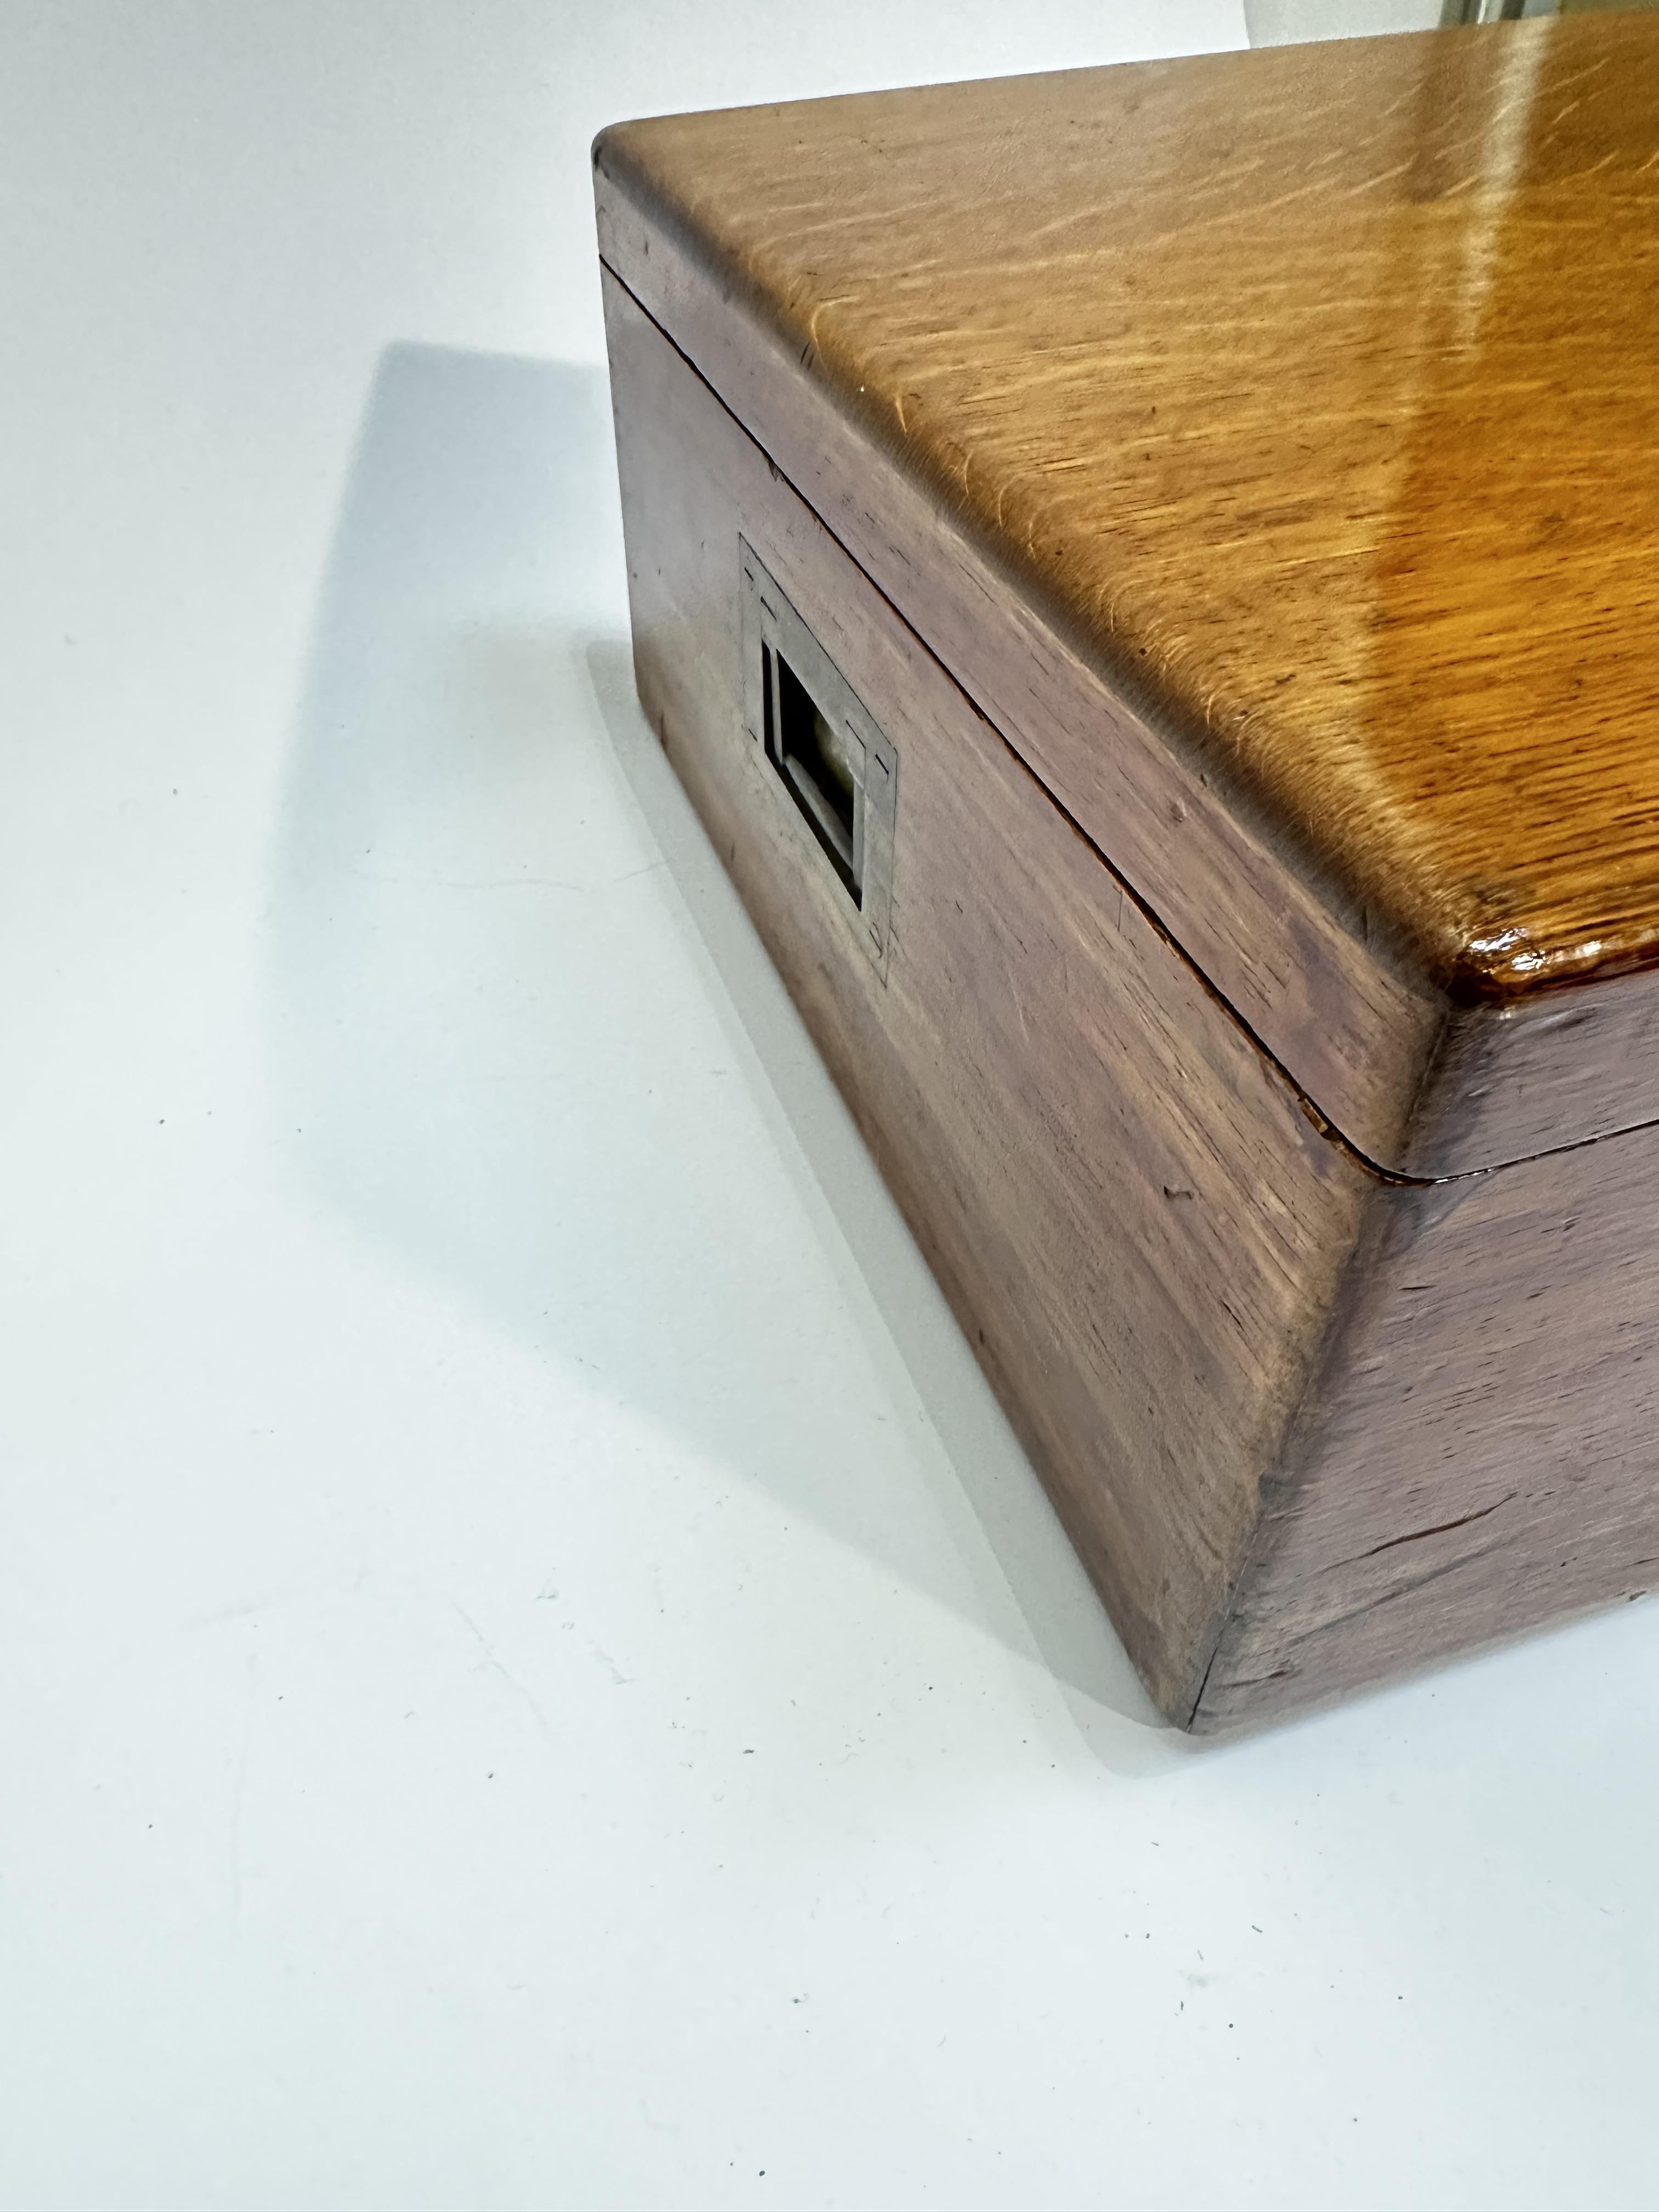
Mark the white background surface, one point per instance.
(533, 1672)
(1283, 22)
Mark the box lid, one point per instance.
(1305, 405)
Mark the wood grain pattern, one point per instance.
(1478, 1448)
(1306, 395)
(1139, 1227)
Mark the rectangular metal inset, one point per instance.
(831, 761)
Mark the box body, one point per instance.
(1307, 1421)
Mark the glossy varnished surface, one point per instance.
(1313, 390)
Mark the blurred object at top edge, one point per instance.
(1284, 22)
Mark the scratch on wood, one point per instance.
(1440, 1528)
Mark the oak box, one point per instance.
(1147, 575)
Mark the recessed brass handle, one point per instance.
(831, 760)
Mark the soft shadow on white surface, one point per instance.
(525, 1033)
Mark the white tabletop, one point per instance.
(534, 1671)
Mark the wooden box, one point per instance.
(1148, 576)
